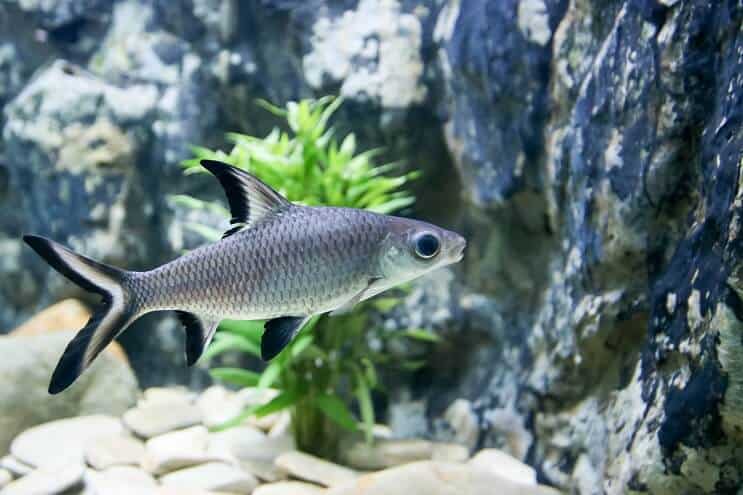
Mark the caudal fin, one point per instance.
(109, 319)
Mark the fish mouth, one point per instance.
(458, 250)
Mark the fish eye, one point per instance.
(427, 246)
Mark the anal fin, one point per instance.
(278, 333)
(199, 332)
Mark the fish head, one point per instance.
(413, 248)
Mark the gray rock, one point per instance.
(176, 450)
(463, 420)
(115, 450)
(267, 472)
(213, 476)
(311, 468)
(503, 465)
(108, 387)
(5, 478)
(449, 452)
(62, 441)
(436, 478)
(172, 396)
(153, 420)
(121, 480)
(48, 481)
(246, 443)
(219, 405)
(14, 466)
(387, 453)
(289, 488)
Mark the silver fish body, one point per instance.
(280, 262)
(303, 261)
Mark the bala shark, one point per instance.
(281, 262)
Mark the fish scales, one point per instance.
(298, 262)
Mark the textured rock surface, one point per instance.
(108, 388)
(436, 478)
(114, 450)
(310, 468)
(289, 488)
(54, 480)
(594, 324)
(63, 441)
(214, 476)
(151, 420)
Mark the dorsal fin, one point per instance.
(250, 199)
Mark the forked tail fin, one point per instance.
(109, 319)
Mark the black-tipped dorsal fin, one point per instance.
(199, 332)
(250, 199)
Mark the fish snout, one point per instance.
(458, 245)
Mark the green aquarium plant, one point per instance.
(330, 369)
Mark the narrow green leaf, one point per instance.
(270, 374)
(385, 304)
(301, 343)
(285, 399)
(421, 334)
(251, 330)
(336, 410)
(236, 376)
(270, 107)
(363, 395)
(392, 205)
(225, 342)
(413, 365)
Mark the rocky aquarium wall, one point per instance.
(590, 150)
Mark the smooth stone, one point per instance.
(311, 468)
(114, 450)
(246, 443)
(268, 422)
(120, 480)
(267, 472)
(387, 453)
(382, 432)
(68, 313)
(164, 490)
(15, 467)
(5, 477)
(289, 488)
(449, 452)
(177, 450)
(213, 476)
(463, 420)
(157, 419)
(108, 387)
(436, 478)
(219, 405)
(505, 466)
(175, 396)
(62, 441)
(282, 426)
(47, 481)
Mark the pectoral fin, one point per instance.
(199, 332)
(348, 305)
(278, 333)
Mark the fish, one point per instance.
(280, 261)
